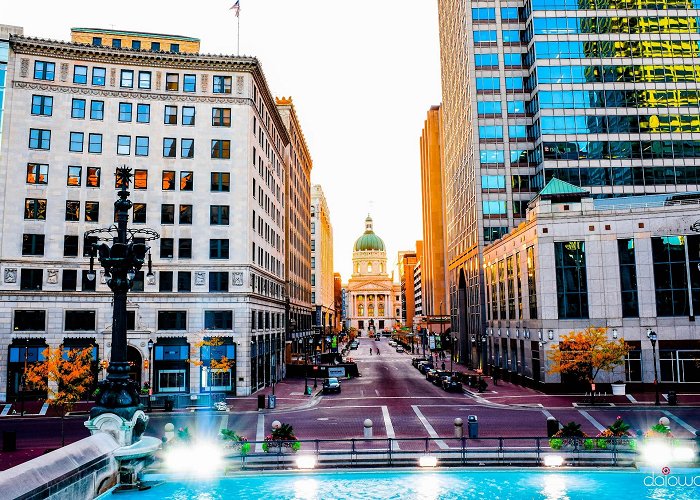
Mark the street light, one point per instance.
(118, 394)
(651, 334)
(150, 371)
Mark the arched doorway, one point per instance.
(133, 357)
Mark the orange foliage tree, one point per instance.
(585, 353)
(220, 365)
(65, 375)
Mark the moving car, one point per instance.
(392, 343)
(331, 384)
(399, 349)
(451, 384)
(354, 345)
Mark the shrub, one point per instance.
(556, 443)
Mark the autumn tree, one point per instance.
(66, 375)
(584, 354)
(220, 364)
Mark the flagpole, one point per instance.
(238, 32)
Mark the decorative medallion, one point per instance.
(237, 278)
(113, 77)
(64, 72)
(239, 85)
(199, 278)
(11, 275)
(53, 277)
(159, 79)
(24, 67)
(205, 83)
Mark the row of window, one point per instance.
(491, 36)
(620, 150)
(575, 49)
(129, 79)
(135, 44)
(490, 59)
(550, 5)
(583, 99)
(489, 13)
(620, 25)
(626, 176)
(517, 182)
(494, 107)
(644, 73)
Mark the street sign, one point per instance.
(336, 372)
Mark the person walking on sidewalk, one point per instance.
(377, 351)
(370, 351)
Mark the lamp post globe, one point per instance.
(651, 335)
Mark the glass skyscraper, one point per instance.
(603, 94)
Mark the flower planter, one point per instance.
(618, 389)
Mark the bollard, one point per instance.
(368, 429)
(665, 422)
(169, 431)
(552, 426)
(276, 425)
(459, 428)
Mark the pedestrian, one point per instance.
(443, 366)
(370, 351)
(377, 351)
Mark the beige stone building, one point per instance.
(322, 284)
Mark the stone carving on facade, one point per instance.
(64, 72)
(24, 67)
(239, 84)
(237, 278)
(199, 278)
(11, 275)
(205, 83)
(159, 79)
(52, 278)
(113, 77)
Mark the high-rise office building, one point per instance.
(322, 287)
(602, 94)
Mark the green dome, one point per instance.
(369, 241)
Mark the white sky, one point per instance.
(362, 73)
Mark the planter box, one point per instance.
(618, 389)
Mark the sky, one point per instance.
(362, 75)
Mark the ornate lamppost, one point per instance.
(118, 396)
(651, 334)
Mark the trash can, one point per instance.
(473, 426)
(9, 440)
(552, 426)
(261, 401)
(168, 404)
(271, 402)
(672, 398)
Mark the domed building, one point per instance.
(373, 299)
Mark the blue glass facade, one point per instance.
(4, 53)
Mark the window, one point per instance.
(189, 83)
(80, 75)
(92, 211)
(98, 76)
(116, 43)
(136, 44)
(42, 105)
(138, 282)
(220, 181)
(167, 214)
(572, 287)
(166, 248)
(93, 176)
(218, 215)
(531, 283)
(172, 81)
(221, 117)
(184, 248)
(517, 131)
(170, 116)
(97, 41)
(31, 279)
(169, 147)
(143, 113)
(97, 110)
(628, 278)
(39, 138)
(80, 320)
(78, 109)
(139, 213)
(495, 156)
(486, 60)
(511, 59)
(187, 148)
(670, 276)
(155, 46)
(184, 281)
(493, 182)
(76, 142)
(88, 244)
(125, 111)
(218, 281)
(485, 36)
(70, 246)
(516, 107)
(44, 70)
(494, 207)
(168, 181)
(186, 181)
(222, 84)
(34, 209)
(185, 214)
(509, 13)
(37, 173)
(484, 14)
(33, 244)
(74, 176)
(29, 321)
(140, 176)
(69, 280)
(188, 115)
(488, 107)
(220, 149)
(72, 210)
(218, 249)
(490, 84)
(144, 79)
(218, 320)
(171, 380)
(173, 320)
(165, 281)
(141, 146)
(490, 132)
(175, 47)
(95, 143)
(123, 145)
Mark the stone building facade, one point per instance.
(207, 145)
(322, 281)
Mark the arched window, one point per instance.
(360, 309)
(358, 269)
(380, 309)
(369, 267)
(370, 310)
(381, 268)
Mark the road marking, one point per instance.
(389, 428)
(631, 398)
(6, 409)
(44, 409)
(376, 392)
(592, 420)
(680, 422)
(431, 431)
(260, 435)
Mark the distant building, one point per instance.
(407, 263)
(5, 32)
(338, 302)
(134, 40)
(322, 278)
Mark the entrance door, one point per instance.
(133, 356)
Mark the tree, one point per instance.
(584, 354)
(66, 375)
(221, 365)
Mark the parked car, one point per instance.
(331, 385)
(415, 361)
(392, 343)
(435, 376)
(354, 345)
(451, 384)
(424, 366)
(399, 349)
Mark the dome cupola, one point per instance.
(369, 241)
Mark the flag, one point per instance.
(236, 8)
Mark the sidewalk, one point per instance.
(289, 395)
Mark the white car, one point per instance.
(399, 349)
(392, 343)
